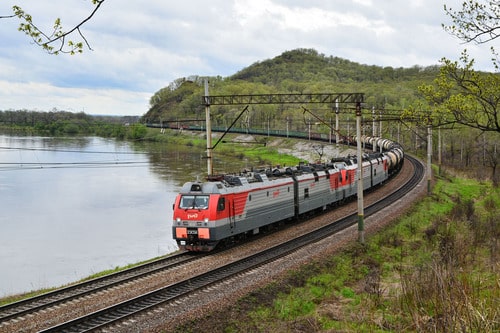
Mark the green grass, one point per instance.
(256, 152)
(435, 269)
(19, 297)
(266, 155)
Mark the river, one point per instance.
(71, 207)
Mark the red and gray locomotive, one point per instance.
(229, 207)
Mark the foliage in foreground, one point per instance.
(435, 270)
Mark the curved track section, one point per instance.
(175, 292)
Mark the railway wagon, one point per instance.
(313, 190)
(375, 170)
(229, 207)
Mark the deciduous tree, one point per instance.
(475, 22)
(460, 94)
(58, 40)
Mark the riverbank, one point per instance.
(257, 148)
(260, 151)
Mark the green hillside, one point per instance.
(296, 71)
(388, 90)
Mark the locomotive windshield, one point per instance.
(194, 202)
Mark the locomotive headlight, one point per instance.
(178, 220)
(206, 219)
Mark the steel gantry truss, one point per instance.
(246, 99)
(324, 98)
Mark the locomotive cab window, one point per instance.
(194, 202)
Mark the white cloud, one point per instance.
(302, 19)
(43, 96)
(140, 47)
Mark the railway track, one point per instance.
(59, 296)
(173, 293)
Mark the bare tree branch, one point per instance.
(46, 40)
(475, 22)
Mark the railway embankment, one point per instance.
(429, 266)
(435, 267)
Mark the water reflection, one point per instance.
(75, 206)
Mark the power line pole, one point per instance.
(361, 213)
(429, 155)
(337, 129)
(210, 168)
(374, 130)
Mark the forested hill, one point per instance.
(296, 71)
(307, 65)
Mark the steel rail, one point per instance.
(168, 294)
(58, 296)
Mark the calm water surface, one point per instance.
(72, 207)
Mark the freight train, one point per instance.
(226, 208)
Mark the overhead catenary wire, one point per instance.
(72, 151)
(17, 166)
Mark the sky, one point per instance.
(139, 47)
